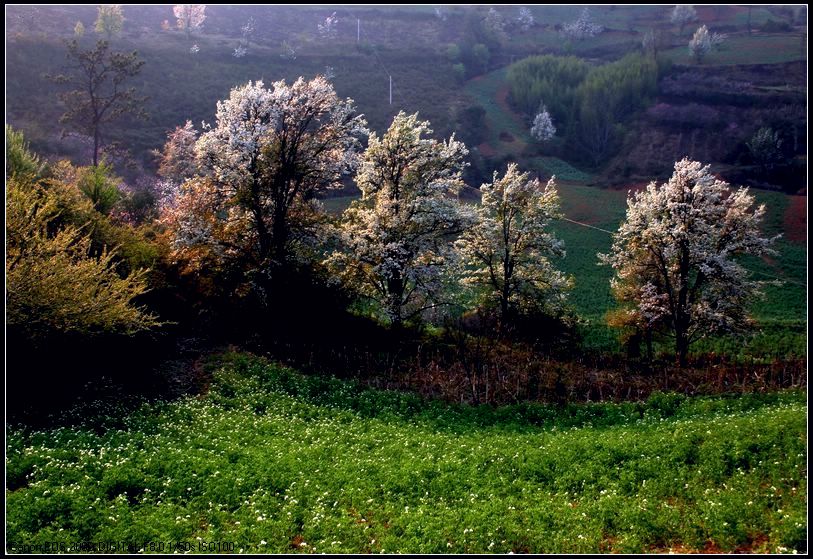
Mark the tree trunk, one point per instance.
(96, 146)
(280, 238)
(395, 289)
(681, 346)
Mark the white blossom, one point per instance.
(525, 19)
(682, 14)
(239, 52)
(248, 31)
(397, 238)
(288, 51)
(543, 128)
(495, 23)
(506, 254)
(674, 256)
(190, 17)
(329, 28)
(700, 43)
(717, 40)
(582, 28)
(270, 151)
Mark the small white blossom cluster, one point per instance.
(495, 23)
(194, 49)
(683, 14)
(240, 52)
(329, 28)
(190, 17)
(288, 51)
(717, 39)
(700, 43)
(525, 19)
(582, 28)
(248, 29)
(543, 129)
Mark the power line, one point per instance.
(586, 225)
(777, 278)
(359, 34)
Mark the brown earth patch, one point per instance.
(796, 220)
(718, 13)
(486, 150)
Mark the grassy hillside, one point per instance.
(705, 111)
(276, 462)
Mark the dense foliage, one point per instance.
(397, 240)
(507, 252)
(674, 256)
(278, 462)
(55, 282)
(270, 153)
(587, 103)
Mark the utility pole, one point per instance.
(390, 90)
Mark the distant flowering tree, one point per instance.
(543, 128)
(328, 29)
(240, 51)
(682, 14)
(79, 30)
(495, 23)
(717, 40)
(248, 31)
(506, 254)
(525, 19)
(582, 28)
(177, 161)
(649, 43)
(270, 152)
(189, 17)
(765, 147)
(110, 20)
(398, 238)
(700, 44)
(194, 49)
(288, 51)
(674, 257)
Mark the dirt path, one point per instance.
(502, 102)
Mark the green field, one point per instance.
(760, 48)
(781, 315)
(278, 462)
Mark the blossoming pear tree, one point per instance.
(398, 238)
(260, 168)
(675, 256)
(507, 253)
